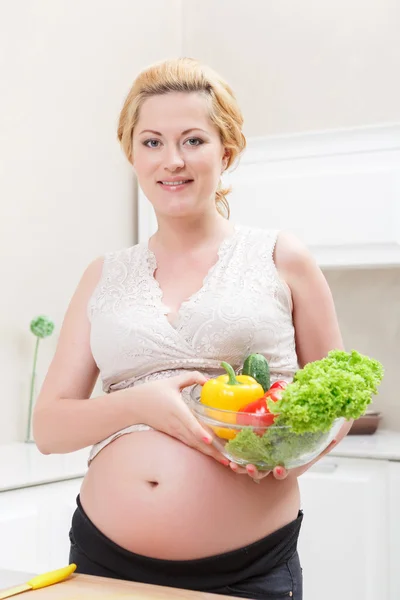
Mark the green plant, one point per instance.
(41, 327)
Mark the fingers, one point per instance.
(194, 435)
(184, 426)
(198, 432)
(255, 474)
(190, 378)
(213, 452)
(280, 473)
(250, 470)
(206, 448)
(188, 429)
(238, 469)
(216, 456)
(202, 439)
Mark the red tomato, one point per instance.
(256, 414)
(274, 394)
(278, 385)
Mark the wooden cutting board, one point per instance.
(85, 587)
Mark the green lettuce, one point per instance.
(278, 446)
(339, 385)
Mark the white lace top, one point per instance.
(242, 307)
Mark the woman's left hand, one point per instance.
(281, 472)
(256, 475)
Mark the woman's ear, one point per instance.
(225, 159)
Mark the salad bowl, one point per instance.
(245, 438)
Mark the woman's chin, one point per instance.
(184, 207)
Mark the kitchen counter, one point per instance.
(22, 465)
(10, 578)
(88, 586)
(382, 445)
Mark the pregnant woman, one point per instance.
(159, 504)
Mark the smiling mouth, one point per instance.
(175, 183)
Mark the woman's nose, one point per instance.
(173, 159)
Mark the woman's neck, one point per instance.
(179, 235)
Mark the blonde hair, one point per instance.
(187, 75)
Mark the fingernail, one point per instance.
(335, 441)
(206, 439)
(251, 469)
(279, 471)
(225, 462)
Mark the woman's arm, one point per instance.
(65, 418)
(314, 315)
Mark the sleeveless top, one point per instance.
(243, 307)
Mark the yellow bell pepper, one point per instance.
(229, 392)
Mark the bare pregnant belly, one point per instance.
(153, 495)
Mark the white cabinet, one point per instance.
(394, 530)
(338, 191)
(34, 526)
(344, 543)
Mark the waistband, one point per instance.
(211, 572)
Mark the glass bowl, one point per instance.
(264, 446)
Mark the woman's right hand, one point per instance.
(164, 409)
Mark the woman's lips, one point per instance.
(175, 187)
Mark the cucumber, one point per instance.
(256, 365)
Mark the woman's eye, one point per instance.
(156, 143)
(195, 141)
(151, 143)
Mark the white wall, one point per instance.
(66, 190)
(301, 66)
(368, 306)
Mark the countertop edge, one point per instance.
(23, 466)
(39, 482)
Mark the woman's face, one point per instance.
(177, 154)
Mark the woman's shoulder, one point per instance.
(286, 244)
(290, 254)
(291, 250)
(293, 258)
(259, 236)
(110, 271)
(97, 268)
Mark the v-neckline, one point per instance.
(152, 265)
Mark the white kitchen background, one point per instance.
(319, 87)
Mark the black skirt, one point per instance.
(267, 569)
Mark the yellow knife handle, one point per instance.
(41, 581)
